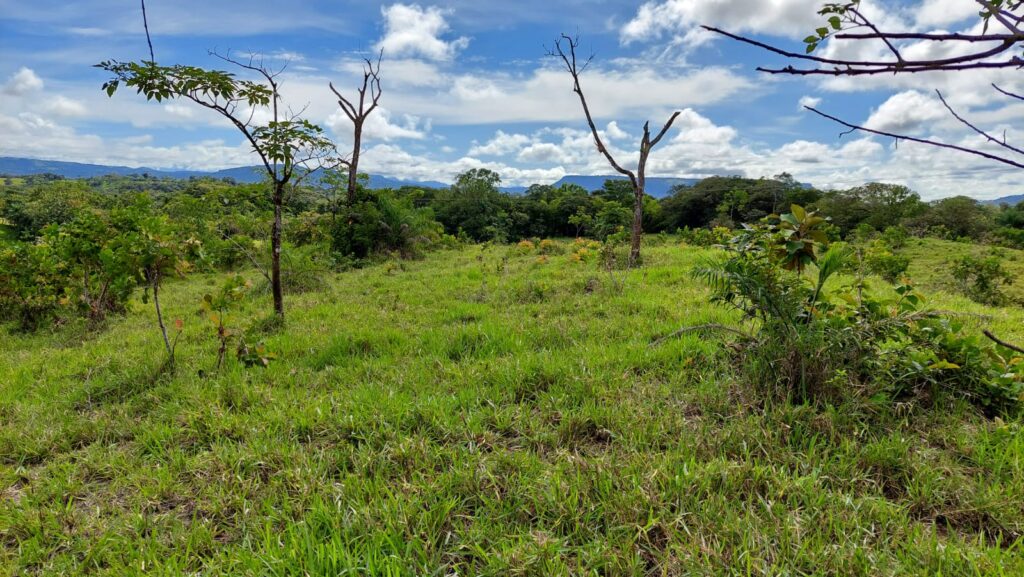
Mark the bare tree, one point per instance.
(357, 111)
(638, 177)
(990, 50)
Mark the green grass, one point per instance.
(457, 416)
(930, 263)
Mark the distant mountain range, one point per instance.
(1011, 200)
(657, 187)
(11, 166)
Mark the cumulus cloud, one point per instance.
(501, 144)
(411, 30)
(682, 19)
(22, 82)
(381, 126)
(906, 112)
(64, 106)
(808, 101)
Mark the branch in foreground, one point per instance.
(853, 127)
(999, 341)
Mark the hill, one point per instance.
(1011, 200)
(656, 186)
(10, 166)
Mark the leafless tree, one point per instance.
(565, 49)
(990, 50)
(358, 111)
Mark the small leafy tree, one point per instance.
(218, 305)
(154, 252)
(288, 146)
(98, 273)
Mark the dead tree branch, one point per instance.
(1001, 342)
(357, 112)
(565, 50)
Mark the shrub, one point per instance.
(550, 247)
(895, 237)
(810, 344)
(704, 237)
(880, 261)
(982, 279)
(31, 285)
(383, 224)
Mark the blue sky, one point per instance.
(467, 84)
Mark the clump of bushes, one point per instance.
(982, 278)
(809, 344)
(704, 237)
(880, 260)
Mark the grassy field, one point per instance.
(469, 414)
(930, 258)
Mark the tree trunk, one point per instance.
(275, 248)
(637, 231)
(155, 283)
(353, 167)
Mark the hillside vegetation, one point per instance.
(484, 411)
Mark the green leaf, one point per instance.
(798, 212)
(823, 32)
(835, 22)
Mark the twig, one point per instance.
(145, 24)
(853, 127)
(999, 341)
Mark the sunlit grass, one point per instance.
(471, 415)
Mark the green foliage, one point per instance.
(982, 278)
(887, 347)
(704, 237)
(217, 307)
(384, 223)
(881, 261)
(31, 284)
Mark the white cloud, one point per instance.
(64, 106)
(808, 101)
(380, 126)
(542, 152)
(22, 82)
(410, 30)
(906, 112)
(682, 19)
(501, 144)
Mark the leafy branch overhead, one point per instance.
(997, 47)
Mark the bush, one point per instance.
(880, 261)
(982, 279)
(31, 285)
(383, 224)
(704, 237)
(812, 345)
